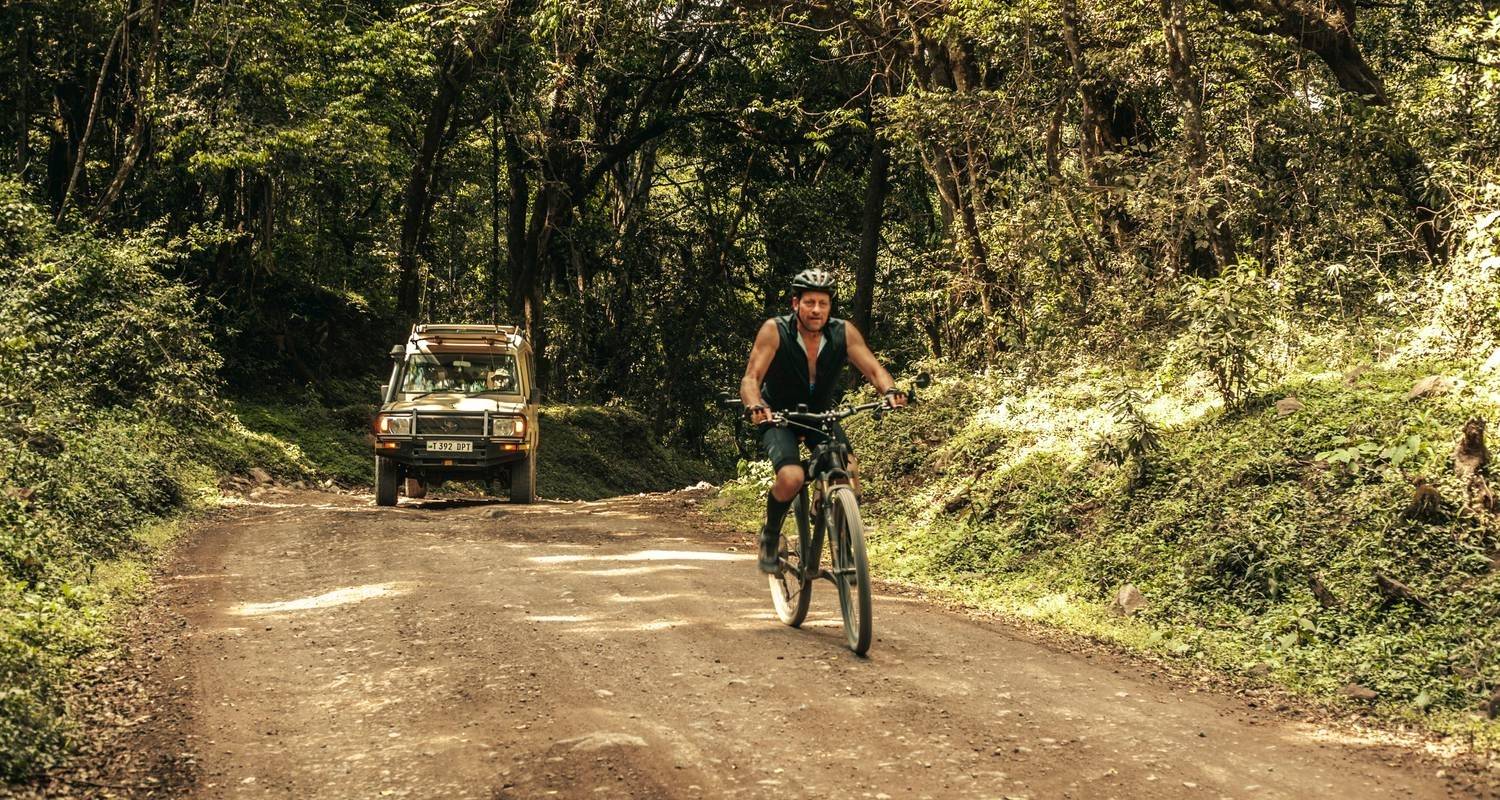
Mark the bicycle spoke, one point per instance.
(851, 570)
(791, 585)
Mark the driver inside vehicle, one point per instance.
(500, 379)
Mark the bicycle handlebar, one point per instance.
(811, 419)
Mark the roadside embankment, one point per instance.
(1327, 538)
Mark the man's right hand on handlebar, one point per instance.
(760, 415)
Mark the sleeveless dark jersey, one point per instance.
(786, 385)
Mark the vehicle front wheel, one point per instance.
(523, 480)
(387, 476)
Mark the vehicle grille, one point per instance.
(449, 425)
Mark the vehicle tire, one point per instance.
(387, 476)
(851, 568)
(415, 489)
(791, 586)
(523, 480)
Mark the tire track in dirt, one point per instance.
(477, 650)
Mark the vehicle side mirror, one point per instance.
(536, 395)
(923, 380)
(385, 391)
(397, 351)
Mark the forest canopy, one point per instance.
(637, 180)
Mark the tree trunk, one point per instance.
(23, 92)
(459, 61)
(137, 137)
(1425, 197)
(1106, 123)
(494, 276)
(1181, 65)
(417, 196)
(1325, 29)
(876, 186)
(88, 127)
(518, 187)
(954, 168)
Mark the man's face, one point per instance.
(812, 309)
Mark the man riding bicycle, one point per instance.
(797, 360)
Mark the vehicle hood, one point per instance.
(456, 403)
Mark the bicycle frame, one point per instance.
(826, 507)
(826, 467)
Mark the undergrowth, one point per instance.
(1036, 498)
(591, 452)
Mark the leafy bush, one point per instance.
(1228, 321)
(1467, 312)
(105, 368)
(1135, 438)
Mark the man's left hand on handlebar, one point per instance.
(895, 397)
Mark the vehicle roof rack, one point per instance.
(428, 329)
(436, 333)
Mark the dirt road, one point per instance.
(476, 650)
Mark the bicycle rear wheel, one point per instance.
(791, 586)
(851, 569)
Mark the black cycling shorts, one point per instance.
(781, 443)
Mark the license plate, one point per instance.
(450, 447)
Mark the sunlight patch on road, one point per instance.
(1360, 736)
(337, 597)
(623, 571)
(645, 598)
(602, 739)
(648, 555)
(654, 626)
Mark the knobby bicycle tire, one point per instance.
(851, 569)
(791, 585)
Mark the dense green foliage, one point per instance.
(637, 180)
(1230, 194)
(102, 363)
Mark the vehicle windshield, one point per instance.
(460, 373)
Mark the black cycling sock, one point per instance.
(775, 512)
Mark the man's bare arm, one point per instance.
(766, 342)
(864, 360)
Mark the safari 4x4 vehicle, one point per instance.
(461, 405)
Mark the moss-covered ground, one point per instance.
(1012, 496)
(587, 452)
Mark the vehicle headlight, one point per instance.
(394, 424)
(510, 427)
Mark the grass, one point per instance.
(591, 452)
(1001, 495)
(304, 441)
(587, 452)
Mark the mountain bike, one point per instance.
(826, 508)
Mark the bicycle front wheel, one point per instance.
(791, 585)
(851, 569)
